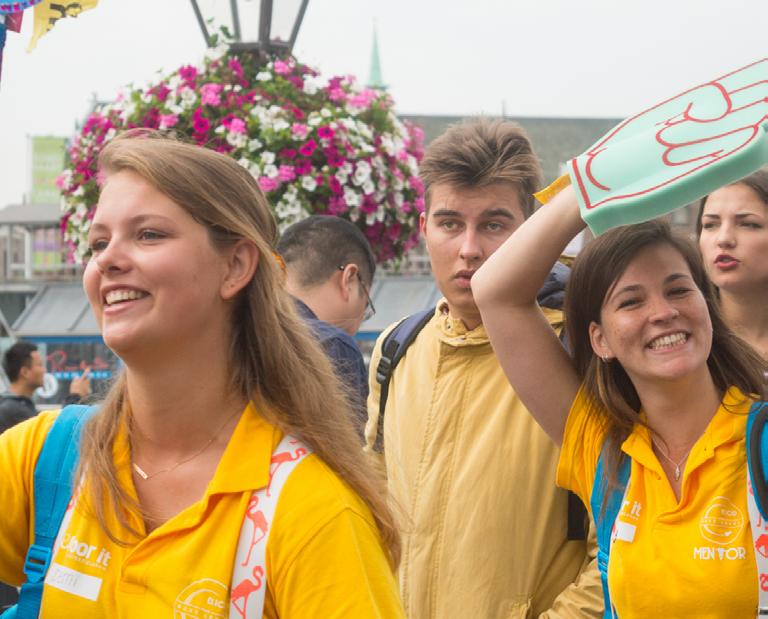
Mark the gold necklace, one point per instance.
(676, 464)
(147, 476)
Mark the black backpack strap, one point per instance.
(392, 350)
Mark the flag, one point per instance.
(13, 21)
(48, 12)
(16, 7)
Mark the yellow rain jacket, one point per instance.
(484, 526)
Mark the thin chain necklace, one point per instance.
(147, 476)
(677, 465)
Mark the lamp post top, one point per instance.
(258, 26)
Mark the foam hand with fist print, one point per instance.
(676, 151)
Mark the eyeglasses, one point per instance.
(370, 310)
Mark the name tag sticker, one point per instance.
(625, 532)
(73, 582)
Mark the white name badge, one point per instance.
(73, 582)
(624, 532)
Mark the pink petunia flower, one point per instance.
(416, 183)
(325, 132)
(308, 148)
(236, 125)
(268, 184)
(201, 125)
(286, 173)
(303, 166)
(299, 131)
(282, 67)
(188, 73)
(168, 120)
(236, 68)
(335, 185)
(210, 94)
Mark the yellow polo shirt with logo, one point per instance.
(692, 559)
(324, 555)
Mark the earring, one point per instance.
(605, 359)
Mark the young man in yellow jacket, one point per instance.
(484, 527)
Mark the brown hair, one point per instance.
(479, 153)
(607, 386)
(275, 362)
(757, 182)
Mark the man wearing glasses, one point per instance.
(329, 271)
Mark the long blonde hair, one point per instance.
(275, 361)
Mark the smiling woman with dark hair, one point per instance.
(658, 389)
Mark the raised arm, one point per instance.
(505, 290)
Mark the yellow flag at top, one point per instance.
(48, 12)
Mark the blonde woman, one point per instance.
(219, 370)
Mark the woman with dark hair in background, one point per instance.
(733, 239)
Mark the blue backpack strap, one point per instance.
(393, 348)
(604, 513)
(757, 454)
(53, 487)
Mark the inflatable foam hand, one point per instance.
(676, 151)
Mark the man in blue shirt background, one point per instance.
(329, 271)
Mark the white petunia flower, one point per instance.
(238, 140)
(267, 157)
(308, 183)
(270, 170)
(280, 125)
(263, 76)
(351, 197)
(255, 144)
(368, 187)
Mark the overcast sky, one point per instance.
(587, 58)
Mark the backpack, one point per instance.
(606, 502)
(54, 485)
(393, 349)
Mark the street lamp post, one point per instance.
(261, 27)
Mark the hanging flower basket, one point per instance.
(316, 146)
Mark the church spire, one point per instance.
(375, 79)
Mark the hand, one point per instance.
(676, 151)
(81, 386)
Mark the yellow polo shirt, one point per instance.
(324, 555)
(692, 559)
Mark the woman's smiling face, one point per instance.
(654, 319)
(154, 277)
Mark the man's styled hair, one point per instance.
(16, 357)
(480, 152)
(317, 246)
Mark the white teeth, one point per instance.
(667, 341)
(117, 296)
